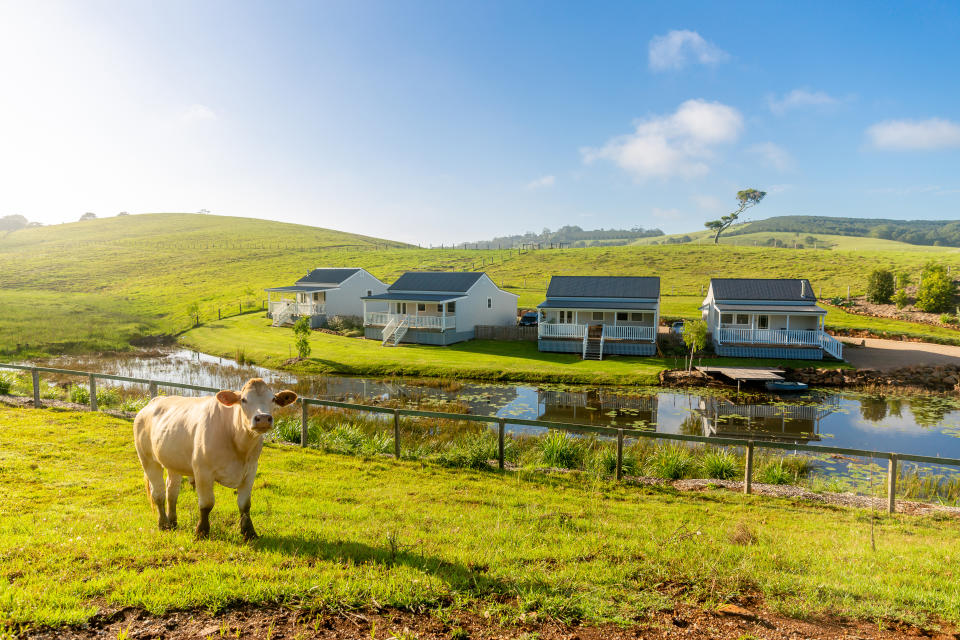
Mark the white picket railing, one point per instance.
(627, 332)
(381, 319)
(785, 337)
(831, 345)
(296, 308)
(546, 330)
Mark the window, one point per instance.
(451, 307)
(566, 317)
(403, 308)
(622, 316)
(369, 292)
(440, 308)
(421, 306)
(726, 318)
(489, 303)
(636, 317)
(743, 318)
(598, 315)
(763, 322)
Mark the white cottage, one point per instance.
(321, 294)
(437, 307)
(767, 318)
(599, 315)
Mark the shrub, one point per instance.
(107, 397)
(880, 286)
(134, 404)
(936, 291)
(79, 394)
(559, 449)
(671, 462)
(719, 464)
(900, 298)
(948, 318)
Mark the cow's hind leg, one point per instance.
(154, 473)
(204, 484)
(173, 492)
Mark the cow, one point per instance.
(213, 439)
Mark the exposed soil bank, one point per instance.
(728, 622)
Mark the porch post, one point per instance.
(443, 315)
(364, 312)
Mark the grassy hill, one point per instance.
(101, 284)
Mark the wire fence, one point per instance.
(893, 458)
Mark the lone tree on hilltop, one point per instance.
(89, 215)
(747, 198)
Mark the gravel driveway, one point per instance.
(894, 354)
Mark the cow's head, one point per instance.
(257, 402)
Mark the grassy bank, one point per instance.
(76, 533)
(103, 284)
(477, 359)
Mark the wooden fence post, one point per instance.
(93, 392)
(748, 469)
(36, 388)
(619, 455)
(892, 484)
(153, 389)
(304, 422)
(396, 434)
(501, 428)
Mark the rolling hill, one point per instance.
(105, 284)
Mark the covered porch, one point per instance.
(431, 312)
(795, 327)
(634, 323)
(288, 303)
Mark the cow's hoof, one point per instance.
(249, 536)
(172, 525)
(202, 533)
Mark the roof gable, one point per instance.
(327, 276)
(782, 289)
(604, 287)
(446, 281)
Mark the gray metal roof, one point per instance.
(327, 276)
(773, 308)
(446, 281)
(604, 287)
(798, 289)
(417, 297)
(301, 288)
(598, 306)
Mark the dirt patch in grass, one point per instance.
(728, 622)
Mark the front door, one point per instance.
(594, 331)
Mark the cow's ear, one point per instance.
(285, 397)
(228, 398)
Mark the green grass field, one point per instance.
(269, 346)
(101, 284)
(341, 533)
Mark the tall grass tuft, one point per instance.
(671, 462)
(603, 462)
(777, 472)
(558, 449)
(6, 383)
(79, 394)
(719, 464)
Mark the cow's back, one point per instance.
(167, 430)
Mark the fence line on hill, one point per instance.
(749, 445)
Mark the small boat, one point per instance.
(786, 386)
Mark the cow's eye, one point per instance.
(243, 399)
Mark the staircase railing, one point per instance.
(389, 329)
(831, 345)
(401, 330)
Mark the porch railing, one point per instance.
(610, 332)
(382, 319)
(296, 308)
(785, 337)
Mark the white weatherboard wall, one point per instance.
(346, 299)
(473, 309)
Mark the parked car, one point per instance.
(677, 328)
(529, 319)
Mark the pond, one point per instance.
(915, 424)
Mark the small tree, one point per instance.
(301, 332)
(193, 310)
(89, 215)
(936, 291)
(880, 286)
(900, 298)
(747, 198)
(695, 337)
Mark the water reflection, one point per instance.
(798, 423)
(598, 407)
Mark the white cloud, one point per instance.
(799, 98)
(679, 144)
(773, 154)
(678, 48)
(541, 182)
(915, 135)
(198, 113)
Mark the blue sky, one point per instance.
(436, 122)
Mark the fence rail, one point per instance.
(893, 458)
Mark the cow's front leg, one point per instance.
(204, 484)
(243, 504)
(173, 492)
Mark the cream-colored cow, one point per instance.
(213, 439)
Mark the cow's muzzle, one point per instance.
(262, 422)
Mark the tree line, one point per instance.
(571, 235)
(944, 233)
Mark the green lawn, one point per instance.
(104, 284)
(476, 359)
(77, 534)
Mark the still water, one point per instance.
(917, 424)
